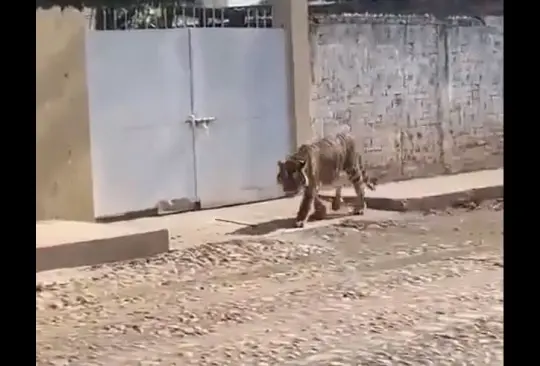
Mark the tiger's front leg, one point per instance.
(310, 196)
(305, 207)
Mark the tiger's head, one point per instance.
(291, 176)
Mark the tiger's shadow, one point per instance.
(268, 227)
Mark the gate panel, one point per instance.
(239, 78)
(139, 97)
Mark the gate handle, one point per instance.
(201, 121)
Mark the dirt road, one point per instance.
(422, 290)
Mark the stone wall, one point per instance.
(424, 96)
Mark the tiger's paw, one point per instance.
(358, 212)
(316, 217)
(319, 214)
(336, 204)
(299, 224)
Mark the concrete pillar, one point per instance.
(292, 15)
(63, 171)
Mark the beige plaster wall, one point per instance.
(63, 174)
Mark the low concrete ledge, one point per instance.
(438, 202)
(66, 244)
(432, 193)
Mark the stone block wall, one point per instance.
(423, 96)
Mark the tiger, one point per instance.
(320, 163)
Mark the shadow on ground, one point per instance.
(274, 225)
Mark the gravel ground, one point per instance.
(422, 290)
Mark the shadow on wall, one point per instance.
(109, 15)
(439, 8)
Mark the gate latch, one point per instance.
(200, 121)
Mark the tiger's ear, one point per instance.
(280, 163)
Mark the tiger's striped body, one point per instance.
(320, 164)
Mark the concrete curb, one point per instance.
(51, 256)
(64, 244)
(435, 202)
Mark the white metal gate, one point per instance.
(239, 78)
(186, 118)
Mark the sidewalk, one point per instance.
(433, 193)
(191, 228)
(63, 244)
(263, 218)
(272, 217)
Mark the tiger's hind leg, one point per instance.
(336, 201)
(355, 177)
(360, 203)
